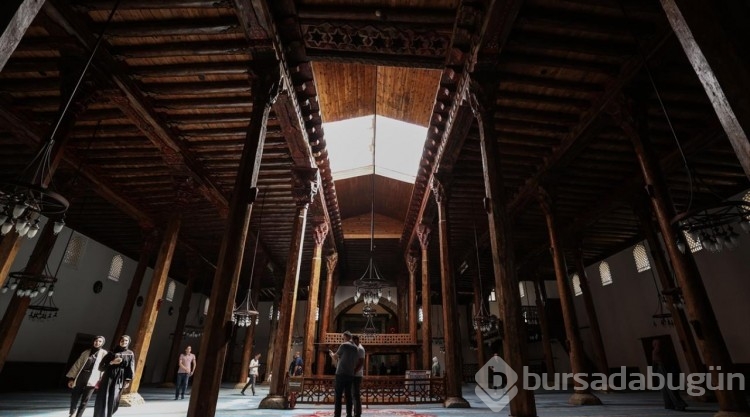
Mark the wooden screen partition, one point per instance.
(377, 390)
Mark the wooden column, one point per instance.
(15, 17)
(218, 328)
(402, 294)
(600, 355)
(478, 303)
(149, 242)
(142, 340)
(716, 54)
(541, 300)
(423, 234)
(453, 371)
(226, 374)
(273, 327)
(320, 231)
(247, 346)
(16, 310)
(305, 182)
(501, 238)
(179, 328)
(668, 287)
(411, 263)
(9, 247)
(580, 395)
(698, 306)
(325, 314)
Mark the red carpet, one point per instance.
(368, 413)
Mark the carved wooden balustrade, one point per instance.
(377, 390)
(377, 339)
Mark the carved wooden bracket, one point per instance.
(305, 185)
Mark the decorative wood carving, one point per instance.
(423, 233)
(375, 39)
(320, 232)
(305, 184)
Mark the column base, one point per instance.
(732, 414)
(584, 398)
(274, 402)
(167, 385)
(456, 402)
(131, 399)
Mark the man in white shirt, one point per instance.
(254, 364)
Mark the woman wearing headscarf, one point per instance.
(119, 368)
(84, 375)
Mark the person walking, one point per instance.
(347, 358)
(254, 364)
(359, 373)
(84, 375)
(185, 370)
(119, 368)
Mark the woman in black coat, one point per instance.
(118, 367)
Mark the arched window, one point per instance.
(115, 268)
(205, 307)
(74, 251)
(170, 290)
(521, 289)
(576, 280)
(642, 262)
(604, 273)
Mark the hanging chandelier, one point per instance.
(370, 286)
(246, 314)
(482, 320)
(369, 312)
(713, 227)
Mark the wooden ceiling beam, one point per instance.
(182, 49)
(91, 5)
(189, 70)
(177, 27)
(410, 16)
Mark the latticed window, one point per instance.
(576, 280)
(205, 307)
(604, 273)
(115, 268)
(170, 290)
(746, 199)
(642, 262)
(695, 245)
(521, 289)
(74, 251)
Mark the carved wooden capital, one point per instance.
(423, 234)
(305, 185)
(438, 186)
(411, 263)
(320, 231)
(331, 261)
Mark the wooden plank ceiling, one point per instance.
(162, 129)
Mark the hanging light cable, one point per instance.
(246, 314)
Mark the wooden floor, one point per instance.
(160, 403)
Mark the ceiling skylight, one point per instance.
(398, 144)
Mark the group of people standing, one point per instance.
(107, 372)
(350, 358)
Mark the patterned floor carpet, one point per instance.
(368, 413)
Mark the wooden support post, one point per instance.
(668, 287)
(179, 328)
(274, 326)
(151, 308)
(16, 310)
(600, 355)
(402, 305)
(325, 314)
(704, 31)
(15, 17)
(423, 234)
(9, 247)
(305, 182)
(453, 368)
(503, 260)
(218, 327)
(580, 395)
(320, 231)
(411, 263)
(541, 300)
(149, 242)
(478, 304)
(698, 306)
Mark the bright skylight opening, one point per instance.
(399, 148)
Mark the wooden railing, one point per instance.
(378, 339)
(377, 390)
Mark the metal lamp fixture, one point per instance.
(246, 314)
(714, 227)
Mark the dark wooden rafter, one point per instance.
(481, 28)
(137, 108)
(258, 22)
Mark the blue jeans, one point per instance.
(343, 386)
(182, 383)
